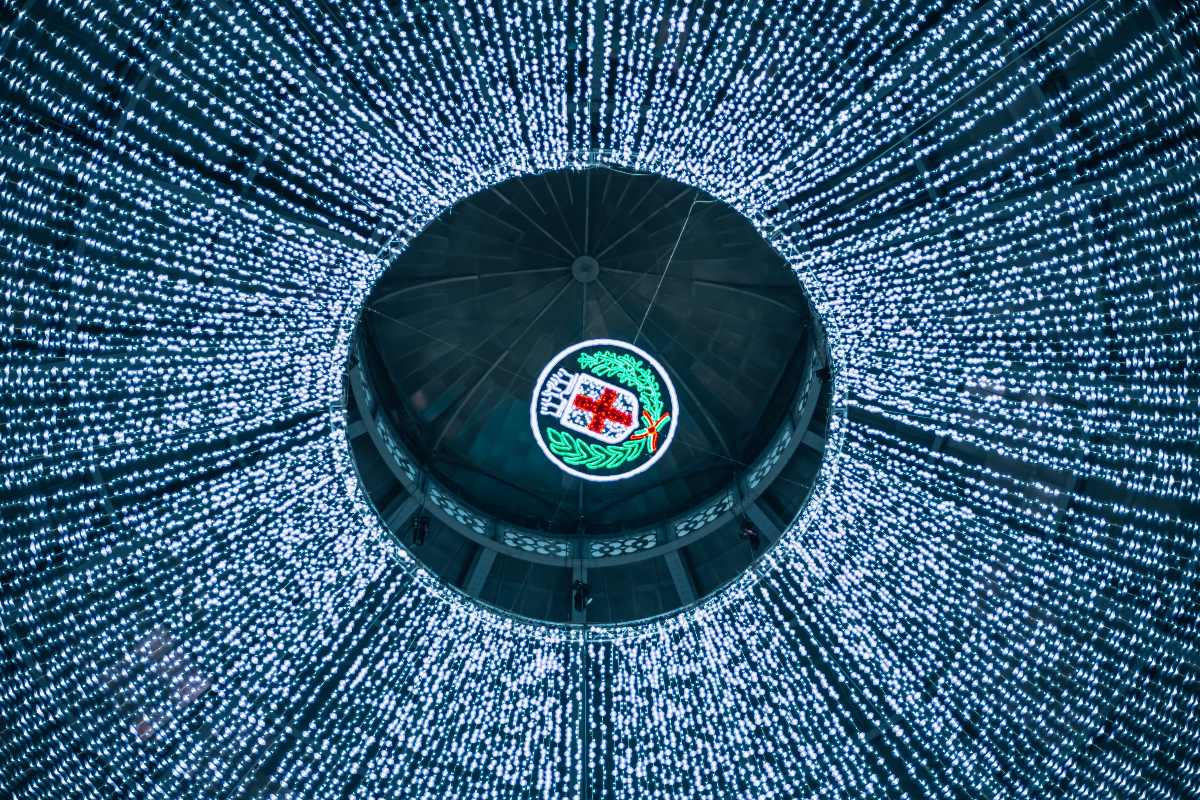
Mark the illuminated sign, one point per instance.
(603, 410)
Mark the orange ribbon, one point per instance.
(651, 430)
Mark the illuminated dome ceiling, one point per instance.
(448, 360)
(984, 583)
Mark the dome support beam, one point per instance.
(685, 587)
(480, 567)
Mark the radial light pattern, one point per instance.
(993, 593)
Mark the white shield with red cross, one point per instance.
(598, 409)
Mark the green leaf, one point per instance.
(577, 453)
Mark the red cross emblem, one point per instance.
(602, 410)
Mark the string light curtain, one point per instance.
(996, 208)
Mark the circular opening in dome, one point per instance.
(588, 396)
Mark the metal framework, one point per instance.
(579, 553)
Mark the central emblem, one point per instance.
(603, 410)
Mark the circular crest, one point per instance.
(603, 410)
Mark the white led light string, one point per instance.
(992, 593)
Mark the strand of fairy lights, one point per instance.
(993, 205)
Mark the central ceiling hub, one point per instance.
(525, 421)
(585, 269)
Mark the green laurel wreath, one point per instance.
(631, 371)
